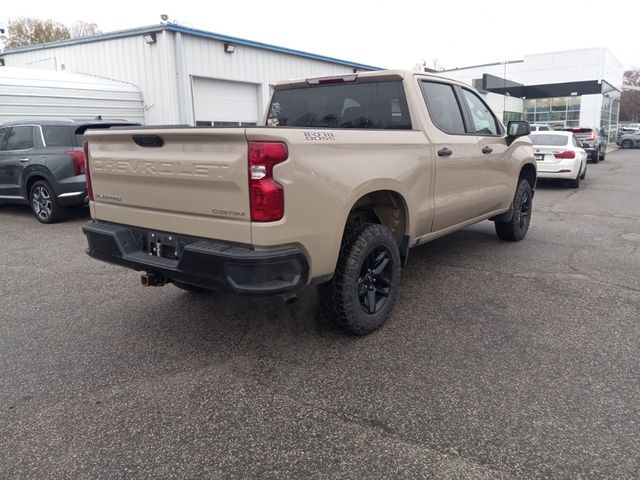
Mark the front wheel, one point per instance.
(627, 144)
(515, 229)
(365, 286)
(44, 204)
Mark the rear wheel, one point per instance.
(627, 144)
(44, 204)
(594, 158)
(602, 155)
(576, 182)
(584, 173)
(365, 286)
(515, 229)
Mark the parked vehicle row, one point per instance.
(629, 140)
(559, 156)
(42, 164)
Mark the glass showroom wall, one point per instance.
(558, 111)
(610, 113)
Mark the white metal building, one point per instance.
(186, 76)
(569, 88)
(44, 94)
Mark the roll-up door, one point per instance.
(222, 102)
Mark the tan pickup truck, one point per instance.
(345, 177)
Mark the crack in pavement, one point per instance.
(603, 215)
(532, 274)
(387, 431)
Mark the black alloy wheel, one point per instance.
(44, 204)
(374, 283)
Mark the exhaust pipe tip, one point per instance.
(289, 298)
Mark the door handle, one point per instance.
(444, 152)
(487, 150)
(23, 160)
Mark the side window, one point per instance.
(20, 138)
(443, 107)
(57, 136)
(4, 133)
(484, 123)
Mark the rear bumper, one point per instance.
(205, 263)
(72, 193)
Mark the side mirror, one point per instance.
(517, 128)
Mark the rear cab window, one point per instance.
(360, 105)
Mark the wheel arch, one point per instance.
(385, 207)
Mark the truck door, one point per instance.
(16, 152)
(457, 154)
(496, 179)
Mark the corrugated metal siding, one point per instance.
(29, 93)
(131, 60)
(153, 69)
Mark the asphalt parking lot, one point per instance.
(500, 360)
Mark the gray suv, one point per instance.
(42, 164)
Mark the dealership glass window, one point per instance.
(561, 111)
(559, 104)
(510, 116)
(543, 105)
(574, 103)
(529, 106)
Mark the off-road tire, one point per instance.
(44, 204)
(515, 229)
(191, 288)
(363, 290)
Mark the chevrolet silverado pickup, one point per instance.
(345, 175)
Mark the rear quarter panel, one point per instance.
(328, 171)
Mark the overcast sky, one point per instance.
(389, 34)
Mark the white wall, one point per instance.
(590, 106)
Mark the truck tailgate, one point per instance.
(182, 180)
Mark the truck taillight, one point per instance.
(565, 154)
(78, 160)
(87, 176)
(266, 196)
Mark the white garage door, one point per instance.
(220, 102)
